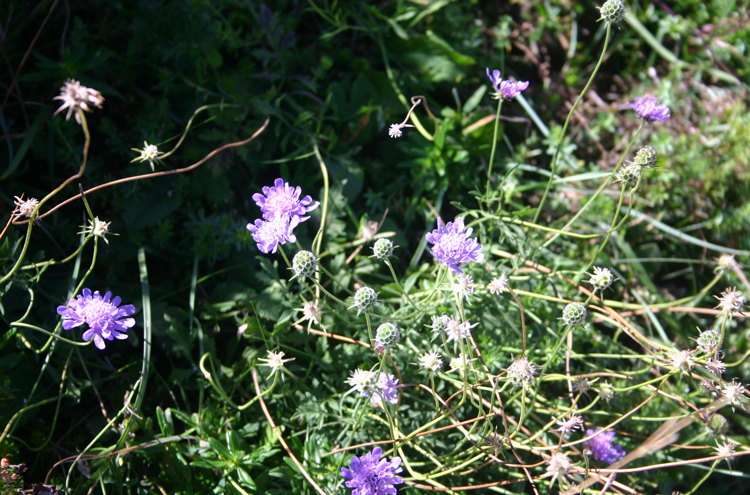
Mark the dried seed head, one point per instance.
(602, 278)
(628, 174)
(304, 264)
(364, 299)
(387, 336)
(431, 362)
(574, 314)
(498, 285)
(522, 372)
(612, 11)
(558, 465)
(646, 156)
(383, 249)
(606, 392)
(708, 340)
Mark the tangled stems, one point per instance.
(209, 376)
(553, 168)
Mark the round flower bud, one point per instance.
(612, 11)
(383, 249)
(387, 335)
(602, 278)
(629, 173)
(364, 299)
(304, 264)
(606, 392)
(574, 314)
(718, 426)
(708, 340)
(646, 156)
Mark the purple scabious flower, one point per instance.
(505, 89)
(269, 234)
(371, 475)
(603, 448)
(385, 390)
(452, 244)
(650, 109)
(282, 199)
(104, 318)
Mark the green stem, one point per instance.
(494, 146)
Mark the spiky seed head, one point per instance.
(383, 249)
(612, 11)
(606, 392)
(574, 314)
(628, 174)
(558, 465)
(708, 340)
(304, 264)
(602, 278)
(718, 426)
(646, 156)
(431, 362)
(387, 335)
(440, 323)
(364, 299)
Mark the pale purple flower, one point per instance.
(284, 200)
(452, 245)
(505, 89)
(105, 319)
(384, 389)
(495, 79)
(603, 448)
(650, 109)
(269, 234)
(371, 475)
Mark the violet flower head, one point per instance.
(282, 199)
(371, 475)
(511, 89)
(650, 109)
(384, 389)
(603, 448)
(452, 245)
(495, 79)
(269, 234)
(105, 319)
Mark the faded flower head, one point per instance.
(723, 263)
(558, 465)
(282, 200)
(708, 340)
(464, 286)
(311, 311)
(431, 361)
(572, 423)
(275, 361)
(606, 392)
(498, 284)
(304, 264)
(361, 380)
(105, 319)
(730, 300)
(726, 449)
(505, 89)
(461, 364)
(650, 109)
(612, 11)
(522, 372)
(76, 97)
(371, 475)
(387, 336)
(682, 361)
(383, 249)
(735, 392)
(455, 330)
(97, 228)
(269, 234)
(495, 441)
(452, 244)
(628, 174)
(716, 366)
(602, 278)
(574, 314)
(394, 130)
(26, 207)
(603, 448)
(150, 153)
(364, 299)
(440, 323)
(646, 157)
(581, 385)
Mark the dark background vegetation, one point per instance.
(318, 70)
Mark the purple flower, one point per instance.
(494, 79)
(650, 109)
(269, 234)
(385, 390)
(101, 314)
(371, 475)
(282, 199)
(506, 89)
(603, 448)
(453, 246)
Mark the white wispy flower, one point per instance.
(431, 361)
(76, 96)
(275, 361)
(25, 206)
(498, 285)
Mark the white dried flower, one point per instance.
(602, 278)
(461, 364)
(682, 361)
(98, 228)
(311, 312)
(581, 385)
(735, 392)
(150, 153)
(431, 361)
(26, 206)
(572, 423)
(498, 285)
(606, 392)
(558, 465)
(455, 330)
(395, 130)
(75, 96)
(361, 380)
(275, 361)
(730, 300)
(725, 450)
(464, 286)
(716, 366)
(725, 262)
(522, 372)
